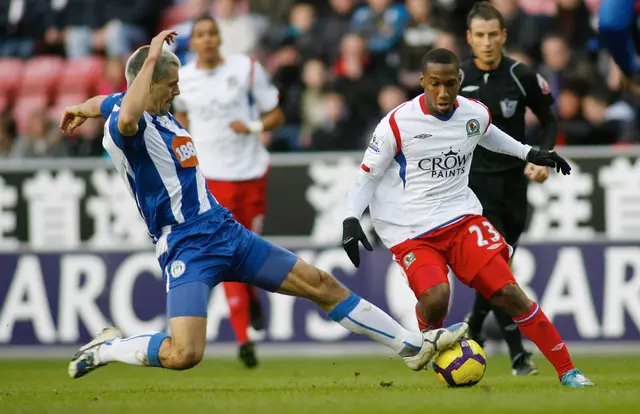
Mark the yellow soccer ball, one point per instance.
(462, 365)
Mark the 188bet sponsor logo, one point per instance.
(450, 164)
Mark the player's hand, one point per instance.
(352, 234)
(536, 173)
(155, 48)
(239, 127)
(549, 159)
(71, 119)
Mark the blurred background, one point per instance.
(74, 254)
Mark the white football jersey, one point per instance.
(236, 90)
(415, 173)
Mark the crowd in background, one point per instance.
(340, 65)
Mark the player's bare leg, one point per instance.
(361, 317)
(182, 350)
(432, 307)
(531, 320)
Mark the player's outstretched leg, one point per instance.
(186, 307)
(362, 317)
(496, 281)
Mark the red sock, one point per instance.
(238, 299)
(536, 326)
(424, 325)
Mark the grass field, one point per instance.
(323, 385)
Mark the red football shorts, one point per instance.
(247, 200)
(466, 246)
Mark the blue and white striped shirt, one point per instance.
(159, 165)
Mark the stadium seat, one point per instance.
(81, 74)
(63, 100)
(41, 74)
(25, 105)
(11, 71)
(173, 16)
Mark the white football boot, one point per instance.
(434, 341)
(87, 358)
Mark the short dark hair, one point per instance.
(442, 56)
(485, 11)
(202, 18)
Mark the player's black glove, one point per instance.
(352, 233)
(548, 158)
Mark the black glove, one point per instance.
(352, 233)
(548, 158)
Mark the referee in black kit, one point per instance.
(506, 87)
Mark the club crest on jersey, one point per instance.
(177, 268)
(508, 107)
(408, 259)
(473, 127)
(375, 144)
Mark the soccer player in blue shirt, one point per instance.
(198, 243)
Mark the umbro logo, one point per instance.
(423, 136)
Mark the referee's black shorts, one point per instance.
(504, 200)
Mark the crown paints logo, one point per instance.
(450, 164)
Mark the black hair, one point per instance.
(442, 56)
(202, 18)
(485, 11)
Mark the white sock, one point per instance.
(362, 317)
(136, 350)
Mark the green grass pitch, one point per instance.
(316, 385)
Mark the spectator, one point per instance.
(572, 127)
(314, 78)
(77, 20)
(418, 38)
(556, 57)
(335, 26)
(87, 141)
(573, 24)
(113, 79)
(356, 77)
(129, 23)
(41, 138)
(523, 31)
(240, 30)
(7, 134)
(609, 123)
(381, 23)
(339, 131)
(23, 24)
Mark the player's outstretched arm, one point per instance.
(497, 141)
(377, 158)
(74, 116)
(134, 102)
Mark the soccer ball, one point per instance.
(462, 365)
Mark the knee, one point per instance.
(512, 300)
(185, 358)
(435, 299)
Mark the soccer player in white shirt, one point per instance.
(225, 104)
(414, 179)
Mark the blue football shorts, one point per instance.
(214, 248)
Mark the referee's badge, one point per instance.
(508, 107)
